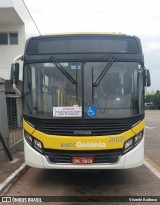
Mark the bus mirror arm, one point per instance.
(14, 77)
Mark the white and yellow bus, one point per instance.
(83, 101)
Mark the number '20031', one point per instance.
(116, 139)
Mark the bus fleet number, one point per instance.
(116, 139)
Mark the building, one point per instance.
(16, 25)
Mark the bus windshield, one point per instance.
(119, 94)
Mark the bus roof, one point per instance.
(83, 33)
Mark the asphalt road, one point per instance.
(132, 182)
(152, 142)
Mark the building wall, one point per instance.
(6, 3)
(9, 52)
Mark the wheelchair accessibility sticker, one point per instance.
(91, 111)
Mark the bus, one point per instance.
(83, 101)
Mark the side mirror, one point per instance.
(148, 79)
(14, 73)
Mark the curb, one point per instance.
(7, 183)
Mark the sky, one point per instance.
(136, 17)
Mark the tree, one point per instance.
(154, 98)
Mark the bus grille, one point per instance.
(72, 129)
(99, 156)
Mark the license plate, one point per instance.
(82, 160)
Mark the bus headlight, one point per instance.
(138, 137)
(28, 138)
(131, 143)
(36, 144)
(128, 145)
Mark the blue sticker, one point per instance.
(75, 65)
(91, 111)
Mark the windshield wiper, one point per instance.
(62, 69)
(100, 77)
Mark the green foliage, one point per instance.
(155, 98)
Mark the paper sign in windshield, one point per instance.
(67, 111)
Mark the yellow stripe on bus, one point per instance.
(106, 142)
(139, 127)
(27, 127)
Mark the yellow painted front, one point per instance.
(94, 142)
(138, 127)
(28, 127)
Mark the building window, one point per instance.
(13, 38)
(3, 38)
(8, 38)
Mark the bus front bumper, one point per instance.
(133, 158)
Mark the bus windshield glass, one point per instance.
(49, 93)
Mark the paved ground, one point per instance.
(7, 168)
(133, 182)
(152, 144)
